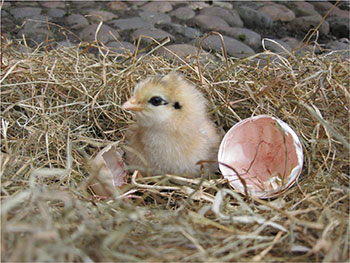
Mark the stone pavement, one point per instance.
(242, 24)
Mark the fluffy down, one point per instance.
(172, 131)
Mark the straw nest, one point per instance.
(59, 106)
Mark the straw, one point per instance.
(61, 105)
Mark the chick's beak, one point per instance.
(132, 105)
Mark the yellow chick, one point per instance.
(172, 130)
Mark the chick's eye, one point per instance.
(156, 101)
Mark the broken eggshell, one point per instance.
(107, 171)
(265, 152)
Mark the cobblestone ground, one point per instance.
(243, 24)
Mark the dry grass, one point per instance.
(59, 106)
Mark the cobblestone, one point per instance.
(243, 24)
(22, 12)
(131, 23)
(234, 47)
(56, 12)
(254, 18)
(151, 32)
(304, 23)
(184, 51)
(104, 34)
(210, 22)
(277, 12)
(183, 13)
(245, 35)
(230, 16)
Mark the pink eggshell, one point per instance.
(265, 152)
(107, 171)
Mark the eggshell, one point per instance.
(107, 171)
(265, 152)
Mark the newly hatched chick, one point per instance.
(172, 131)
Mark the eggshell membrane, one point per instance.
(265, 152)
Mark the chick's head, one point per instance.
(166, 100)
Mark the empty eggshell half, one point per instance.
(107, 171)
(265, 152)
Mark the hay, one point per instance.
(60, 106)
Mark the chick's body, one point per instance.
(172, 131)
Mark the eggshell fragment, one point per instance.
(265, 152)
(107, 171)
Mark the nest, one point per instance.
(60, 106)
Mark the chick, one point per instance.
(172, 131)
